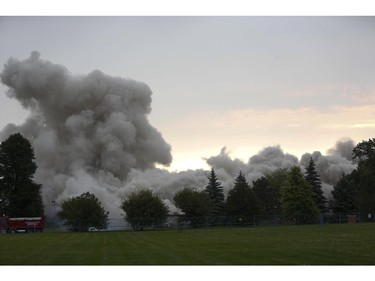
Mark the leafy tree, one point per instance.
(356, 191)
(215, 192)
(275, 180)
(196, 205)
(365, 188)
(19, 194)
(297, 197)
(312, 177)
(268, 196)
(344, 194)
(144, 209)
(241, 200)
(365, 150)
(365, 191)
(82, 212)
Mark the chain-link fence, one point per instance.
(180, 222)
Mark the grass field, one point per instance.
(283, 245)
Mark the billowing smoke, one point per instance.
(88, 131)
(91, 133)
(266, 161)
(343, 148)
(330, 168)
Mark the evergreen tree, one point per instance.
(297, 198)
(216, 194)
(19, 194)
(312, 177)
(241, 200)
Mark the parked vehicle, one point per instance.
(23, 224)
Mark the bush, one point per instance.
(144, 209)
(82, 212)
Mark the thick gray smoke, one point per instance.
(330, 168)
(266, 161)
(88, 131)
(343, 148)
(91, 133)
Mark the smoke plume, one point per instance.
(91, 133)
(88, 132)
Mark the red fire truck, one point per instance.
(24, 224)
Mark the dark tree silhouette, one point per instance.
(241, 200)
(268, 195)
(19, 194)
(312, 177)
(215, 192)
(343, 193)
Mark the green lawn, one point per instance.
(283, 245)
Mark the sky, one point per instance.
(242, 82)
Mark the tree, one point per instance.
(82, 212)
(297, 197)
(195, 205)
(312, 177)
(343, 193)
(215, 192)
(144, 209)
(365, 150)
(275, 180)
(19, 194)
(241, 200)
(365, 188)
(268, 196)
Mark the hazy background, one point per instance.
(240, 82)
(110, 100)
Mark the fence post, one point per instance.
(254, 221)
(321, 218)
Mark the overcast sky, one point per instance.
(241, 82)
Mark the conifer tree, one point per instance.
(312, 177)
(297, 197)
(216, 194)
(241, 200)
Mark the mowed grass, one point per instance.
(278, 245)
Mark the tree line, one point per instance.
(295, 195)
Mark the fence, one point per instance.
(180, 222)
